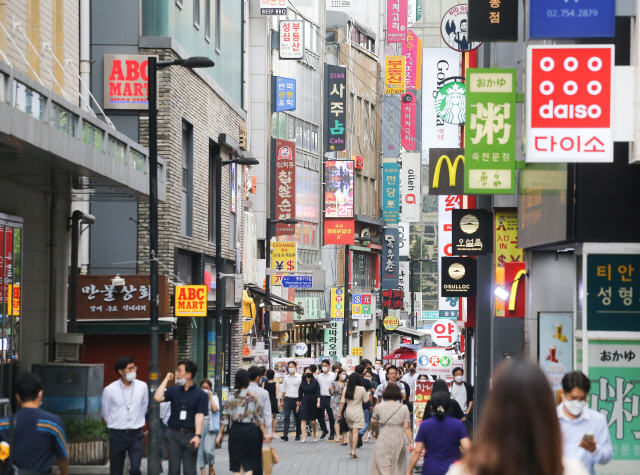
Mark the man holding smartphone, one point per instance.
(585, 435)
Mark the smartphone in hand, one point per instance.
(588, 437)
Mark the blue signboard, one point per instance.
(297, 281)
(391, 192)
(284, 90)
(574, 19)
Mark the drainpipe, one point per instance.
(76, 218)
(85, 49)
(53, 272)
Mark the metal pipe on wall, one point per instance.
(85, 49)
(53, 271)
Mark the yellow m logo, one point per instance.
(452, 170)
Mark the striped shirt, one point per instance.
(38, 438)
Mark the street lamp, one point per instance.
(154, 367)
(267, 313)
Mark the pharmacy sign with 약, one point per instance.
(569, 95)
(191, 301)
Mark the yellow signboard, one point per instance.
(356, 351)
(284, 256)
(13, 304)
(191, 301)
(505, 249)
(390, 323)
(394, 74)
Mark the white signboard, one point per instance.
(403, 239)
(417, 304)
(435, 361)
(449, 307)
(339, 3)
(569, 103)
(454, 29)
(273, 7)
(291, 39)
(444, 333)
(438, 64)
(300, 348)
(403, 283)
(410, 185)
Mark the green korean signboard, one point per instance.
(614, 371)
(490, 135)
(613, 285)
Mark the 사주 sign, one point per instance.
(335, 108)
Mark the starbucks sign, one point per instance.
(450, 103)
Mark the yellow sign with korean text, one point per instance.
(191, 301)
(394, 74)
(13, 304)
(284, 256)
(356, 351)
(505, 249)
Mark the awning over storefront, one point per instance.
(123, 326)
(257, 291)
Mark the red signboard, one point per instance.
(569, 100)
(512, 271)
(285, 185)
(408, 116)
(339, 231)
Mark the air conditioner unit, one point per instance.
(68, 347)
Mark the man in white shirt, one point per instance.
(325, 379)
(585, 435)
(381, 372)
(289, 398)
(392, 375)
(124, 405)
(410, 378)
(255, 376)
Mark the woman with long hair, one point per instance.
(392, 419)
(354, 397)
(519, 432)
(454, 410)
(243, 413)
(335, 390)
(308, 403)
(273, 388)
(441, 437)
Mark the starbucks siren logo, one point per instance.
(450, 103)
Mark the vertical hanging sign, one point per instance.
(411, 196)
(412, 51)
(291, 39)
(335, 108)
(414, 12)
(490, 141)
(449, 307)
(394, 74)
(391, 127)
(285, 189)
(390, 192)
(396, 21)
(408, 121)
(390, 261)
(284, 94)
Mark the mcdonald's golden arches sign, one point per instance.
(446, 171)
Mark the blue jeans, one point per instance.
(366, 421)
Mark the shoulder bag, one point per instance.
(376, 427)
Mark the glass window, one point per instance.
(137, 160)
(307, 194)
(314, 138)
(92, 135)
(196, 13)
(117, 149)
(306, 130)
(207, 19)
(291, 127)
(330, 36)
(64, 120)
(29, 101)
(186, 218)
(274, 124)
(299, 133)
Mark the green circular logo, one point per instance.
(451, 104)
(445, 361)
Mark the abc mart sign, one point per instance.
(569, 103)
(434, 361)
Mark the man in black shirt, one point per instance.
(189, 405)
(366, 406)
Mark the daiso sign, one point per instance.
(569, 103)
(126, 82)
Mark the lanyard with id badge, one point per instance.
(129, 415)
(183, 412)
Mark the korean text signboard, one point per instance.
(394, 74)
(339, 231)
(449, 307)
(390, 323)
(613, 285)
(333, 340)
(393, 299)
(391, 126)
(396, 21)
(338, 188)
(454, 29)
(291, 39)
(414, 12)
(126, 82)
(409, 120)
(568, 109)
(412, 51)
(390, 259)
(614, 366)
(490, 140)
(284, 256)
(361, 306)
(446, 171)
(273, 7)
(472, 232)
(99, 299)
(337, 304)
(459, 276)
(561, 19)
(506, 250)
(284, 90)
(335, 118)
(493, 20)
(391, 192)
(191, 301)
(411, 193)
(285, 189)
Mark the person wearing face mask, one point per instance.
(585, 436)
(392, 378)
(368, 366)
(189, 406)
(289, 399)
(462, 392)
(308, 403)
(124, 404)
(325, 380)
(336, 393)
(210, 429)
(410, 378)
(382, 374)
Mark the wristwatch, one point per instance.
(198, 436)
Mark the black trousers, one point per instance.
(325, 405)
(121, 442)
(290, 405)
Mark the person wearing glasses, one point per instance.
(124, 404)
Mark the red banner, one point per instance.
(285, 185)
(408, 116)
(339, 231)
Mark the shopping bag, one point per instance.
(274, 456)
(267, 461)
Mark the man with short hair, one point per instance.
(189, 405)
(325, 379)
(392, 378)
(124, 405)
(255, 376)
(38, 436)
(289, 399)
(585, 435)
(380, 371)
(462, 392)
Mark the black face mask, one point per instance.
(308, 376)
(412, 370)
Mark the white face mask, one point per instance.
(292, 370)
(130, 376)
(458, 379)
(325, 369)
(575, 406)
(181, 382)
(343, 377)
(205, 390)
(377, 367)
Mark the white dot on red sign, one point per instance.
(594, 88)
(546, 87)
(547, 64)
(594, 64)
(570, 64)
(570, 88)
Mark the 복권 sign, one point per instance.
(568, 110)
(453, 29)
(291, 39)
(191, 301)
(126, 82)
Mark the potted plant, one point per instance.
(88, 442)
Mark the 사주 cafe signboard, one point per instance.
(126, 82)
(335, 117)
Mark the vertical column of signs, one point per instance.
(391, 192)
(390, 259)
